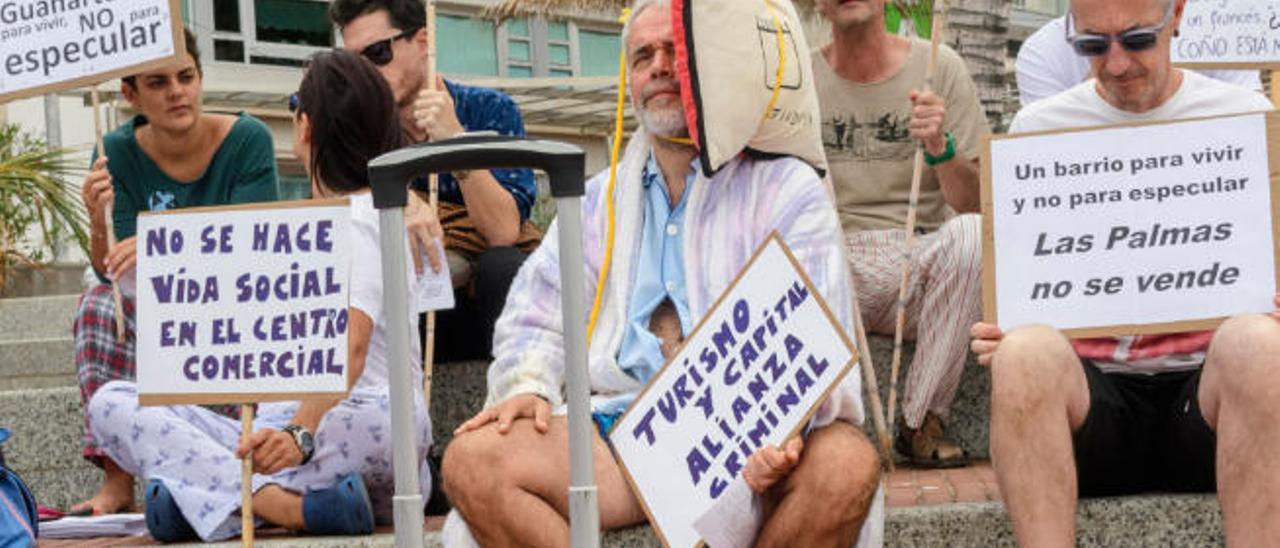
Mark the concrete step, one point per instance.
(37, 317)
(38, 362)
(47, 427)
(53, 279)
(969, 423)
(1170, 520)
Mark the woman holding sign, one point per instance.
(345, 116)
(170, 155)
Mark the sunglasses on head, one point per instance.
(380, 52)
(1088, 44)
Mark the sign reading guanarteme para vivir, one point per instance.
(52, 45)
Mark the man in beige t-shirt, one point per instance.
(874, 112)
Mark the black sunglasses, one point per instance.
(380, 52)
(294, 103)
(1088, 44)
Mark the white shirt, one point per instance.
(1082, 106)
(1047, 66)
(366, 295)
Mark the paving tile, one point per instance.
(896, 497)
(971, 492)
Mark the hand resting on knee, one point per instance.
(507, 412)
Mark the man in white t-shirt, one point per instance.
(1046, 66)
(1182, 412)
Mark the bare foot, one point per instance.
(115, 495)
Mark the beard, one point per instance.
(665, 119)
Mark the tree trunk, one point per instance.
(978, 30)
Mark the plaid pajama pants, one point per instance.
(944, 300)
(100, 359)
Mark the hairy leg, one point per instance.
(824, 501)
(513, 488)
(1240, 399)
(1039, 396)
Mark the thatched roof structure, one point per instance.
(514, 8)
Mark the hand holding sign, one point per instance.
(272, 450)
(986, 339)
(771, 464)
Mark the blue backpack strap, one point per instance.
(19, 520)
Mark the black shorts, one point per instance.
(1144, 433)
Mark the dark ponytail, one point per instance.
(353, 117)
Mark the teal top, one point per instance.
(243, 170)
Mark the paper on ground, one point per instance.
(110, 525)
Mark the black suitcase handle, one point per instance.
(390, 173)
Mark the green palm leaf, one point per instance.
(36, 193)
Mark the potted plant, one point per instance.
(39, 203)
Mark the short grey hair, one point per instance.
(636, 8)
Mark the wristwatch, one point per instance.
(302, 437)
(946, 155)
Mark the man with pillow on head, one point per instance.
(1181, 412)
(871, 91)
(681, 239)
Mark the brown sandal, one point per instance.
(929, 447)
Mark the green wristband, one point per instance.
(946, 156)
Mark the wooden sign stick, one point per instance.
(939, 14)
(107, 215)
(246, 479)
(1275, 86)
(872, 386)
(433, 201)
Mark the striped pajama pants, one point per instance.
(944, 300)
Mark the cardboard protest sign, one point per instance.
(1126, 230)
(1228, 34)
(51, 45)
(244, 303)
(749, 375)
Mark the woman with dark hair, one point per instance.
(339, 480)
(170, 155)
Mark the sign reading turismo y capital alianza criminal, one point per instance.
(50, 45)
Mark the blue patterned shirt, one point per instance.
(484, 109)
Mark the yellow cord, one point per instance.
(617, 143)
(782, 60)
(613, 181)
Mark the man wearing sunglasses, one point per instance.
(1048, 65)
(483, 212)
(1181, 412)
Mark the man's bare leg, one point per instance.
(1039, 396)
(1240, 399)
(824, 501)
(114, 496)
(513, 489)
